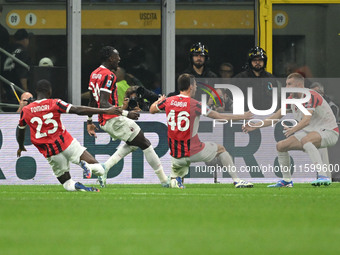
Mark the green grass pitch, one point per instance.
(148, 219)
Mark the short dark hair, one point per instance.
(21, 34)
(184, 81)
(228, 65)
(43, 86)
(106, 52)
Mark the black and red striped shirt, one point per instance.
(102, 79)
(183, 118)
(47, 131)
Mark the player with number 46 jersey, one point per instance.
(183, 113)
(183, 117)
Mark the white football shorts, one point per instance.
(121, 128)
(180, 166)
(328, 137)
(60, 163)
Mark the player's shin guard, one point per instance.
(118, 155)
(315, 156)
(227, 161)
(69, 185)
(155, 163)
(284, 162)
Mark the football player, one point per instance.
(183, 113)
(52, 139)
(317, 130)
(103, 95)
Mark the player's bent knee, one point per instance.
(280, 146)
(220, 149)
(305, 140)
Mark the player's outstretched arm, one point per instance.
(273, 119)
(225, 116)
(20, 140)
(104, 103)
(288, 131)
(153, 108)
(85, 110)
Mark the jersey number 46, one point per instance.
(181, 117)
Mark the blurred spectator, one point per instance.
(226, 70)
(130, 99)
(135, 64)
(227, 102)
(46, 62)
(294, 68)
(13, 71)
(25, 99)
(303, 70)
(138, 98)
(124, 81)
(318, 87)
(121, 84)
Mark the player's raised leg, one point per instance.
(114, 159)
(150, 156)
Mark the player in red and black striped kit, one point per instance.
(104, 94)
(183, 113)
(52, 139)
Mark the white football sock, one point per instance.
(155, 163)
(315, 156)
(118, 155)
(284, 162)
(69, 185)
(227, 161)
(325, 160)
(97, 169)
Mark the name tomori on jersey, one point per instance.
(178, 104)
(40, 108)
